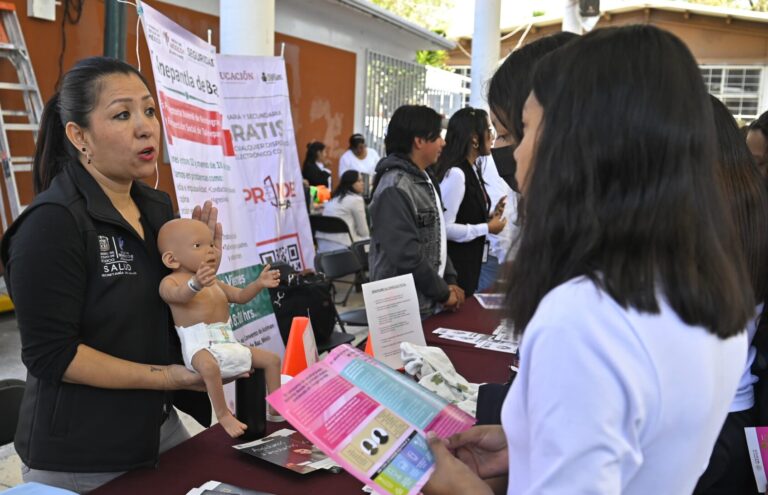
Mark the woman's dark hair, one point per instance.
(356, 140)
(622, 186)
(464, 125)
(745, 193)
(313, 149)
(73, 102)
(346, 182)
(761, 124)
(511, 84)
(409, 122)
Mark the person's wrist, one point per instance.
(194, 285)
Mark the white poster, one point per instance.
(258, 110)
(392, 307)
(203, 161)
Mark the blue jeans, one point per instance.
(489, 273)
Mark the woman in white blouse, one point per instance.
(348, 204)
(629, 289)
(359, 157)
(466, 201)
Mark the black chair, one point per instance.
(361, 248)
(343, 263)
(328, 225)
(335, 339)
(11, 392)
(338, 264)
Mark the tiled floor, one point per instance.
(11, 367)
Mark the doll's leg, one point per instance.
(270, 363)
(205, 364)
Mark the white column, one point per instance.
(485, 49)
(247, 27)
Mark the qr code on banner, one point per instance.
(288, 253)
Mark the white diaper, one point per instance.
(217, 338)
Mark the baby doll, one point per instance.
(199, 303)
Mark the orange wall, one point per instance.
(323, 105)
(321, 79)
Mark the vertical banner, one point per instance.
(258, 110)
(202, 158)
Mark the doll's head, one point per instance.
(185, 243)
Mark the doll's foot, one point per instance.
(232, 426)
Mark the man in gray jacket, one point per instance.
(407, 226)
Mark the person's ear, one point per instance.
(170, 261)
(418, 143)
(76, 135)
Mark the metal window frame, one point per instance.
(759, 97)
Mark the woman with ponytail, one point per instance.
(314, 170)
(83, 270)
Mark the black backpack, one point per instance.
(303, 295)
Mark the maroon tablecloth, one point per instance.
(476, 365)
(210, 456)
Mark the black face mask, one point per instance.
(506, 165)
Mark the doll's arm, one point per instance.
(268, 278)
(174, 292)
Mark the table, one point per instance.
(476, 365)
(210, 456)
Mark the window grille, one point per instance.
(738, 86)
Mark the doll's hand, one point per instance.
(269, 278)
(206, 274)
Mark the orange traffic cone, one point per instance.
(301, 351)
(369, 345)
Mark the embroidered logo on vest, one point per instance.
(115, 260)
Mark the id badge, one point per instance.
(486, 248)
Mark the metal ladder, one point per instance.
(22, 120)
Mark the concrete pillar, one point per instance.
(247, 27)
(485, 49)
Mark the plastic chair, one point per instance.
(361, 248)
(328, 225)
(338, 264)
(11, 392)
(343, 263)
(335, 339)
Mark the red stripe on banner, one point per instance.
(164, 112)
(195, 124)
(228, 144)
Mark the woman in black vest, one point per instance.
(466, 202)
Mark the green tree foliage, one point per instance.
(430, 14)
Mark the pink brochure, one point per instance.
(369, 418)
(757, 443)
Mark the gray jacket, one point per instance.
(405, 231)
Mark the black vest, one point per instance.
(467, 257)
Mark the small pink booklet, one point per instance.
(369, 418)
(757, 443)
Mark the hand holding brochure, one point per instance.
(369, 418)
